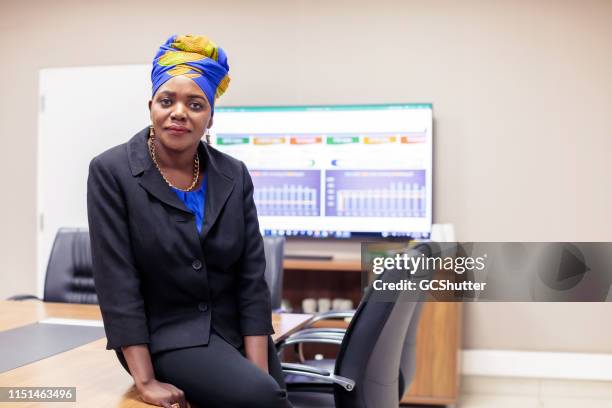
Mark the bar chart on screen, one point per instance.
(287, 192)
(375, 193)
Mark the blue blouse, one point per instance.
(195, 201)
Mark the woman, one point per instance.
(178, 259)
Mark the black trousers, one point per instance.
(219, 375)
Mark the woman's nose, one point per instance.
(178, 112)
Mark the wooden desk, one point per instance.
(349, 265)
(94, 371)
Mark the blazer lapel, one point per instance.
(218, 189)
(154, 183)
(151, 180)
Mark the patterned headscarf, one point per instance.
(196, 57)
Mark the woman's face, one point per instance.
(180, 113)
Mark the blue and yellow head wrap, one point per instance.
(196, 57)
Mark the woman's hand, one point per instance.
(151, 391)
(162, 394)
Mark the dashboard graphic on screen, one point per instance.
(335, 171)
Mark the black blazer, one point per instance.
(158, 280)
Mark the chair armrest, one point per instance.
(322, 338)
(298, 340)
(332, 315)
(305, 368)
(325, 335)
(24, 297)
(323, 330)
(314, 372)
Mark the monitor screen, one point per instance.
(335, 171)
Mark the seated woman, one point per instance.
(178, 259)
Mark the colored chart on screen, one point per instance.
(370, 193)
(287, 192)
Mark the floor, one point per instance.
(490, 392)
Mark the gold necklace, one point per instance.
(196, 167)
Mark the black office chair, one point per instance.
(407, 362)
(69, 277)
(408, 359)
(274, 247)
(366, 373)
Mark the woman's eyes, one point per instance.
(165, 102)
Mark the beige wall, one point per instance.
(522, 97)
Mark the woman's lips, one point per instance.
(177, 130)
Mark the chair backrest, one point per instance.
(373, 345)
(274, 248)
(408, 359)
(69, 277)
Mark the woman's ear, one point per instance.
(210, 123)
(150, 103)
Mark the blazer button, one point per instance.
(203, 307)
(197, 264)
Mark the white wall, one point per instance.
(522, 98)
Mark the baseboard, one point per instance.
(534, 364)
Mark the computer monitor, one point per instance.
(335, 171)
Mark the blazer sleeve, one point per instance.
(115, 274)
(254, 295)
